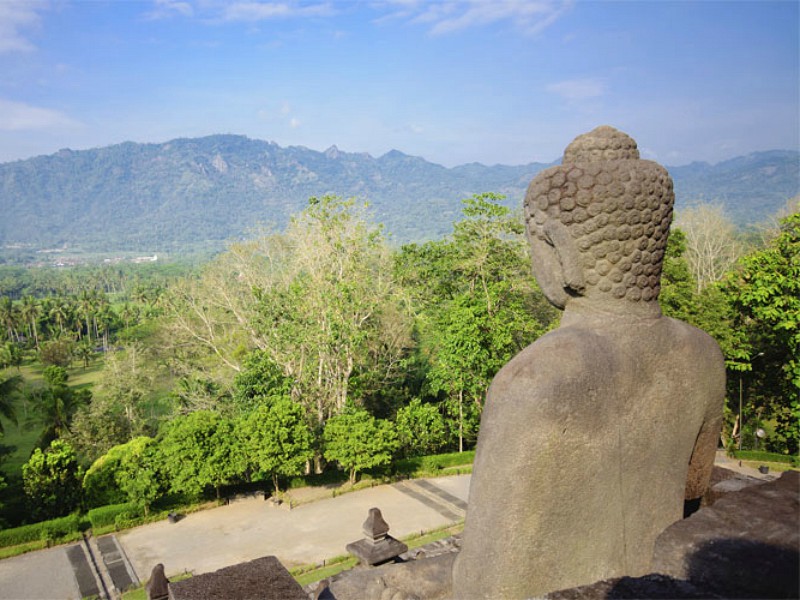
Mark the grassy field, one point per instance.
(23, 435)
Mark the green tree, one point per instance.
(55, 376)
(421, 429)
(276, 439)
(60, 311)
(765, 293)
(55, 404)
(98, 426)
(126, 381)
(100, 485)
(193, 393)
(11, 355)
(139, 476)
(328, 308)
(57, 352)
(52, 481)
(31, 312)
(84, 351)
(9, 318)
(9, 388)
(357, 441)
(476, 304)
(260, 379)
(464, 363)
(199, 450)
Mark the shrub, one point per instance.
(421, 465)
(46, 530)
(99, 483)
(103, 516)
(127, 519)
(766, 456)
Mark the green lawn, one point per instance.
(18, 435)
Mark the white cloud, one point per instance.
(294, 123)
(17, 116)
(260, 11)
(16, 16)
(578, 89)
(165, 9)
(448, 16)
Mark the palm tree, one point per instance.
(60, 312)
(84, 352)
(8, 318)
(87, 303)
(30, 311)
(55, 406)
(128, 313)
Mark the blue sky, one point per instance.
(497, 81)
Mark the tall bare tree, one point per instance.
(712, 246)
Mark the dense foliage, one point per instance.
(321, 343)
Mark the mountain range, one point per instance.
(201, 192)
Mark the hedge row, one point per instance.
(431, 464)
(46, 530)
(766, 456)
(112, 514)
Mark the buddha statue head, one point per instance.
(598, 223)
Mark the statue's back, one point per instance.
(592, 436)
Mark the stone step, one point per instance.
(116, 562)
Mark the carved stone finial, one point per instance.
(375, 528)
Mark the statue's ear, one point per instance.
(568, 255)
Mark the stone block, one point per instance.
(260, 579)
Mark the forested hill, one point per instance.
(217, 188)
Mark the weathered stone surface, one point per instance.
(747, 545)
(260, 579)
(427, 579)
(621, 401)
(650, 587)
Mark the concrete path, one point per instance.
(42, 575)
(212, 539)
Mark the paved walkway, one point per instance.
(212, 539)
(42, 575)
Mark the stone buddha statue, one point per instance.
(593, 436)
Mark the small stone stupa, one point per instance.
(377, 546)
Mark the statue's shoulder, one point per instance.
(691, 339)
(570, 352)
